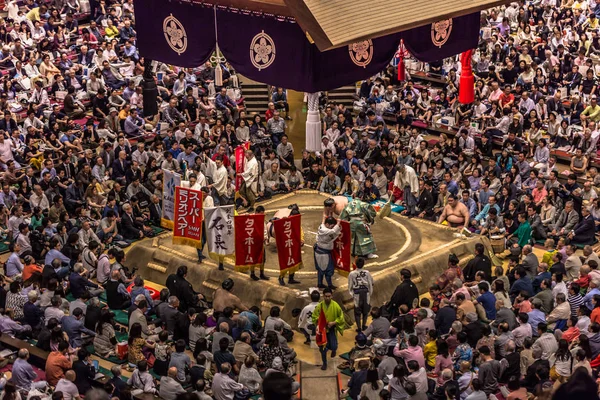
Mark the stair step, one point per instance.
(256, 90)
(256, 103)
(254, 85)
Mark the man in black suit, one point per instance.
(116, 381)
(100, 104)
(373, 153)
(480, 262)
(573, 79)
(405, 294)
(538, 230)
(119, 168)
(67, 166)
(130, 228)
(84, 371)
(155, 210)
(426, 201)
(555, 104)
(584, 231)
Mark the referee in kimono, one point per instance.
(406, 179)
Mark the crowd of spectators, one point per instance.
(82, 168)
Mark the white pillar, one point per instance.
(313, 123)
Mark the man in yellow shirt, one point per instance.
(111, 31)
(34, 14)
(591, 112)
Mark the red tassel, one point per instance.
(466, 93)
(401, 68)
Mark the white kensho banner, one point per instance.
(170, 180)
(218, 225)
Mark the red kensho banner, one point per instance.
(249, 241)
(287, 238)
(240, 161)
(341, 250)
(187, 228)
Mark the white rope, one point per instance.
(313, 101)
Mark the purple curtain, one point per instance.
(444, 38)
(175, 33)
(278, 52)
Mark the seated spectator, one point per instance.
(170, 388)
(142, 380)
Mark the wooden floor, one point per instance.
(297, 127)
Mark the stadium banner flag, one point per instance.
(287, 238)
(219, 231)
(341, 250)
(249, 241)
(240, 160)
(170, 181)
(188, 217)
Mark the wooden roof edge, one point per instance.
(307, 21)
(275, 7)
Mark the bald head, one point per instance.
(585, 269)
(70, 375)
(172, 372)
(223, 327)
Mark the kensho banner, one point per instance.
(187, 228)
(277, 51)
(240, 162)
(287, 238)
(170, 181)
(219, 231)
(249, 241)
(341, 250)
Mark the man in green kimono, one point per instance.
(522, 235)
(335, 323)
(361, 215)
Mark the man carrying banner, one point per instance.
(220, 233)
(329, 317)
(261, 211)
(207, 202)
(250, 239)
(170, 181)
(360, 285)
(249, 188)
(219, 177)
(328, 232)
(282, 243)
(361, 215)
(193, 182)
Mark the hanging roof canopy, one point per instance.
(335, 23)
(275, 49)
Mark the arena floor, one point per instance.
(421, 246)
(398, 239)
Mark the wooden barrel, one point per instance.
(497, 245)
